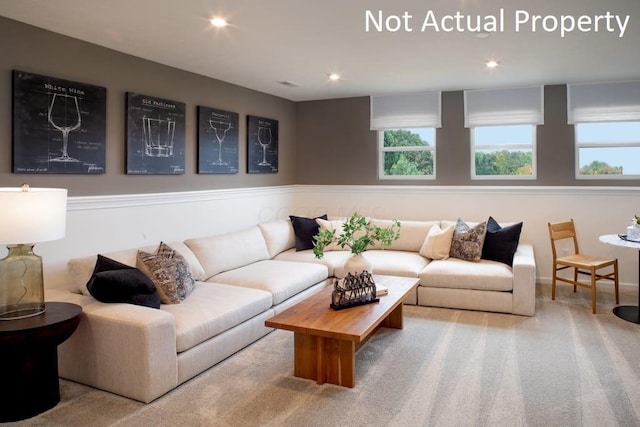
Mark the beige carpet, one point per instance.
(563, 367)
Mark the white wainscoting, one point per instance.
(107, 223)
(99, 224)
(596, 211)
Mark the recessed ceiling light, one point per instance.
(492, 63)
(218, 22)
(480, 34)
(334, 77)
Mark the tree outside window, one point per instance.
(407, 153)
(607, 150)
(505, 152)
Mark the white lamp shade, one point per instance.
(31, 216)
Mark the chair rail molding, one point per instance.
(79, 203)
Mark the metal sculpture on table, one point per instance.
(353, 290)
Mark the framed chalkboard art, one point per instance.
(217, 141)
(58, 125)
(262, 145)
(155, 135)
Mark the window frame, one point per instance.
(500, 147)
(622, 144)
(382, 150)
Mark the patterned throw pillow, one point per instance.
(468, 241)
(186, 282)
(169, 272)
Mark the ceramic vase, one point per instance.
(356, 264)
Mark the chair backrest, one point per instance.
(560, 231)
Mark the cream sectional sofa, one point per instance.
(242, 279)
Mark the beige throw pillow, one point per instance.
(437, 244)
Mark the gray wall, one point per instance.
(31, 49)
(321, 142)
(335, 145)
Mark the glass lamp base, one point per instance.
(21, 283)
(12, 313)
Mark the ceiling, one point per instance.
(302, 41)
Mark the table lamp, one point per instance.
(27, 216)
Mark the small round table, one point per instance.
(630, 313)
(29, 360)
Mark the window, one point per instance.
(406, 126)
(503, 131)
(606, 119)
(607, 150)
(407, 153)
(503, 152)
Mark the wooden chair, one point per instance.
(581, 263)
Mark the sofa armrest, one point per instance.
(126, 349)
(524, 281)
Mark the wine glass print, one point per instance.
(220, 128)
(64, 115)
(158, 136)
(264, 139)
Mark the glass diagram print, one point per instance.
(64, 115)
(159, 136)
(217, 141)
(262, 145)
(59, 126)
(155, 136)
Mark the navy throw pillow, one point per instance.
(113, 281)
(501, 243)
(305, 229)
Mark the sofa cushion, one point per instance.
(213, 308)
(501, 243)
(391, 263)
(114, 282)
(460, 274)
(412, 234)
(282, 279)
(278, 235)
(331, 260)
(467, 241)
(437, 244)
(80, 269)
(230, 250)
(305, 229)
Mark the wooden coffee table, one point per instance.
(326, 340)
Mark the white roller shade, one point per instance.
(603, 102)
(406, 111)
(495, 107)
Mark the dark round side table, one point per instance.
(29, 360)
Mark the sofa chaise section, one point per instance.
(486, 285)
(141, 352)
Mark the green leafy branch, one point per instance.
(357, 235)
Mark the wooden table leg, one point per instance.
(338, 362)
(305, 350)
(325, 360)
(394, 319)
